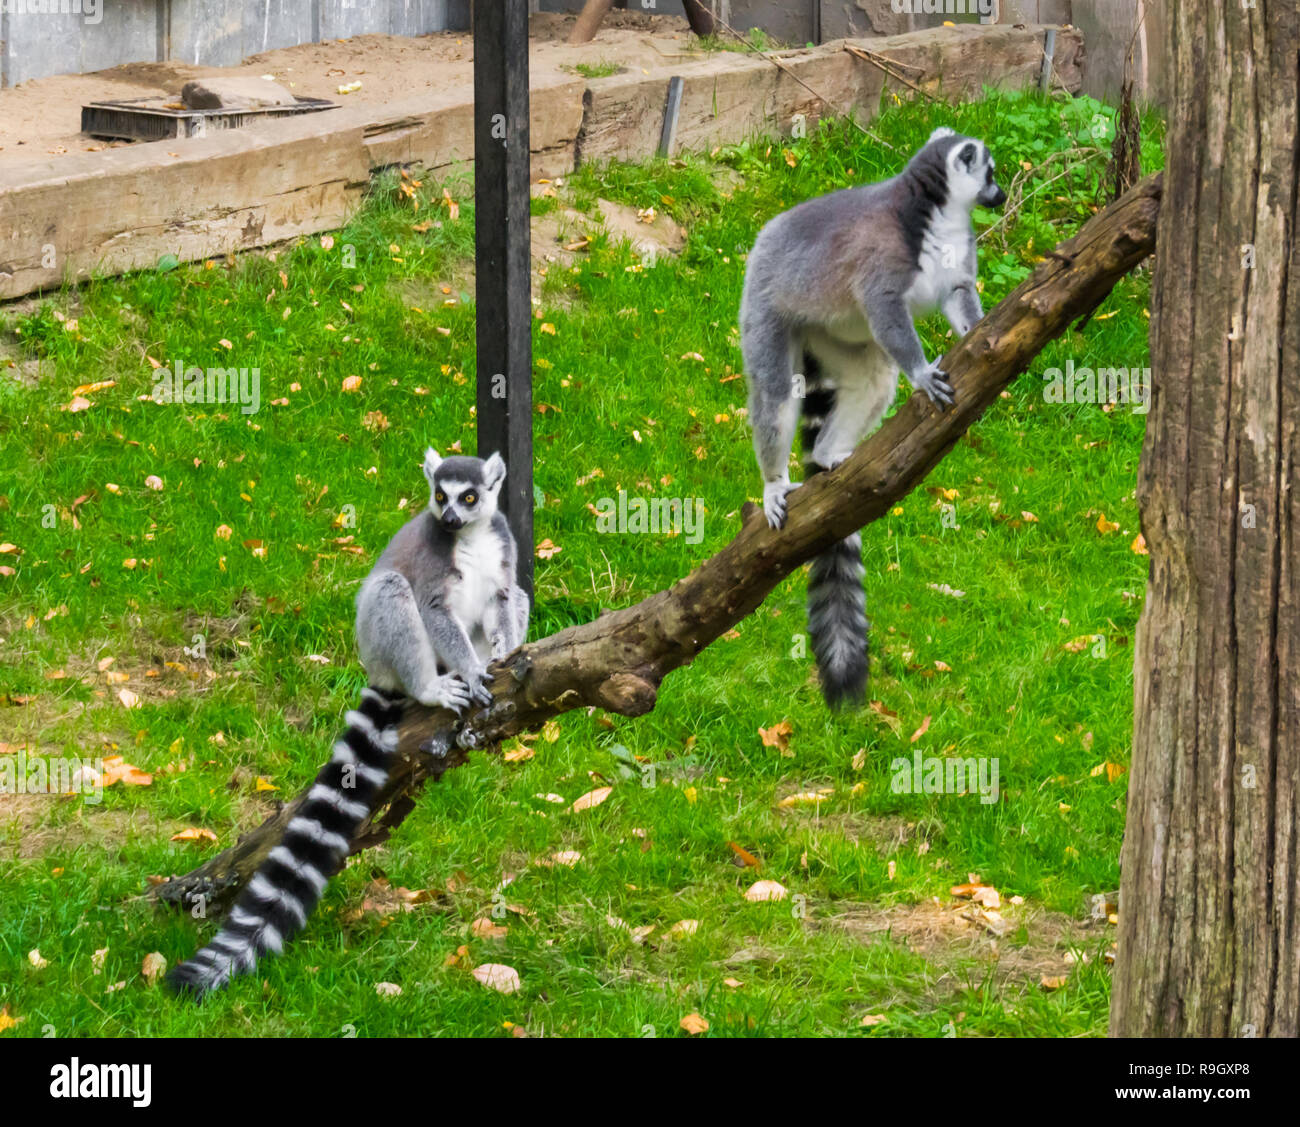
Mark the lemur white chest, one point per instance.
(944, 260)
(481, 564)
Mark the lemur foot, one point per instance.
(934, 382)
(774, 506)
(447, 691)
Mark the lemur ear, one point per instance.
(432, 460)
(494, 472)
(942, 131)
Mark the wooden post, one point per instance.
(501, 256)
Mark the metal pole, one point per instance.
(1049, 52)
(672, 111)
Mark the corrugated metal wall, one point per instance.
(40, 37)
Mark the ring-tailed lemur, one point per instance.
(832, 287)
(440, 603)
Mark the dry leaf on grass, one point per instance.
(153, 967)
(497, 976)
(765, 890)
(592, 798)
(694, 1024)
(778, 736)
(195, 833)
(484, 928)
(743, 856)
(117, 770)
(806, 798)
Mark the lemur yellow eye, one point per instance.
(470, 498)
(440, 496)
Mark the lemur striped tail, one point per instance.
(837, 605)
(276, 902)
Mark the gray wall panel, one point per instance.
(35, 42)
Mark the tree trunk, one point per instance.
(589, 20)
(699, 17)
(1208, 942)
(617, 661)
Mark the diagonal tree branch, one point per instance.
(618, 661)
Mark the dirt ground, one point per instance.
(42, 117)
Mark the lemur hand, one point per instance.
(934, 382)
(478, 691)
(447, 691)
(774, 502)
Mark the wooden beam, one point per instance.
(503, 309)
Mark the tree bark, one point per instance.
(617, 662)
(589, 20)
(699, 17)
(1208, 911)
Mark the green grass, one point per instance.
(992, 672)
(602, 69)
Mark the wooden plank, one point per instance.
(503, 278)
(123, 209)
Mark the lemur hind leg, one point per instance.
(864, 379)
(771, 350)
(395, 647)
(507, 626)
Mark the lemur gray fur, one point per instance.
(832, 289)
(440, 603)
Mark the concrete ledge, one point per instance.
(728, 99)
(123, 209)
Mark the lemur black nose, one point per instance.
(1000, 198)
(452, 522)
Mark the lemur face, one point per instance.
(970, 175)
(463, 491)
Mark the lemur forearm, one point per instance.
(892, 327)
(450, 642)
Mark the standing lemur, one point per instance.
(441, 602)
(831, 290)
